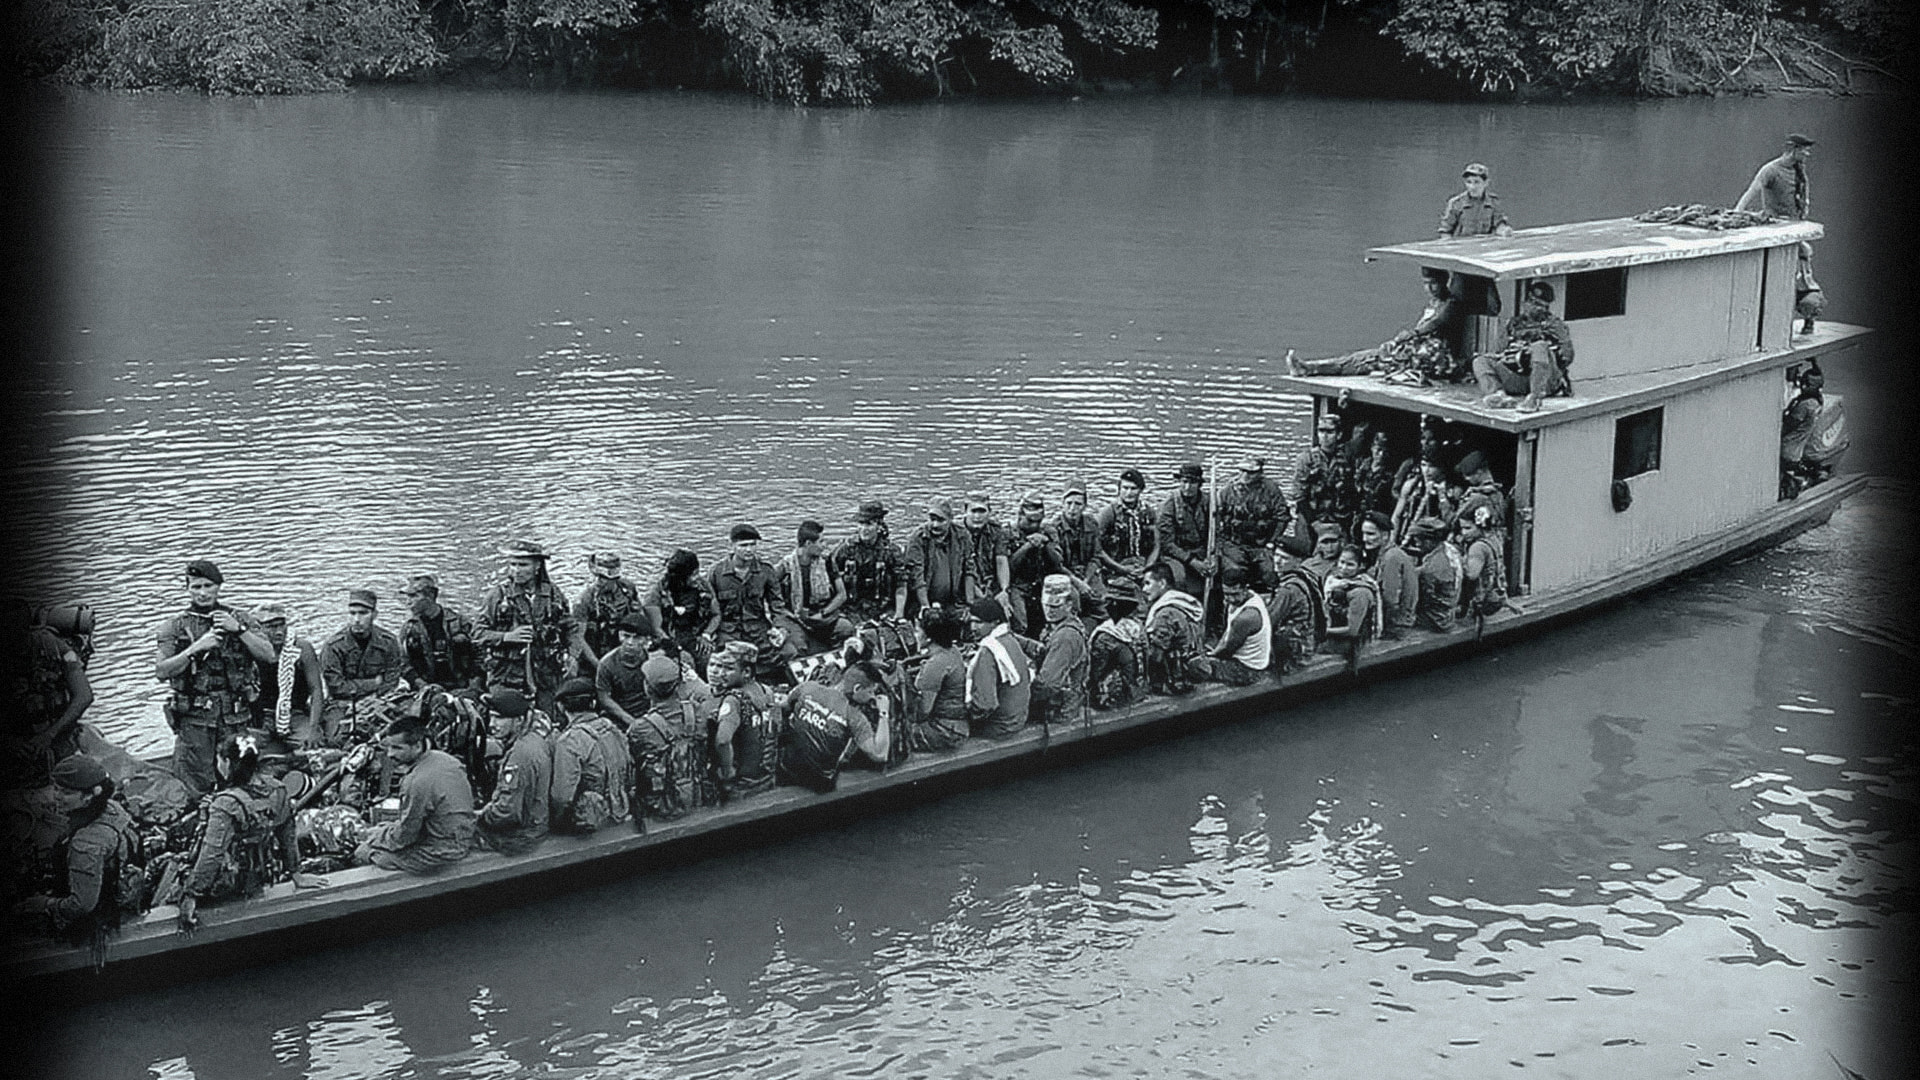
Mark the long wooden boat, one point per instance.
(1574, 550)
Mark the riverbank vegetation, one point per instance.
(863, 51)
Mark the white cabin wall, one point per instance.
(1781, 264)
(1743, 302)
(1719, 464)
(1677, 314)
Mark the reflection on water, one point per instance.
(333, 341)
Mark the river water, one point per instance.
(332, 341)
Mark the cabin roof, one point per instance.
(1592, 245)
(1460, 402)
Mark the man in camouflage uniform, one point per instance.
(210, 654)
(872, 568)
(602, 605)
(526, 631)
(1320, 474)
(1253, 514)
(1129, 533)
(1076, 535)
(45, 693)
(438, 640)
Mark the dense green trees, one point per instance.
(859, 51)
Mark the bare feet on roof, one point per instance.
(1496, 401)
(1529, 404)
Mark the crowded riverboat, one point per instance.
(1467, 481)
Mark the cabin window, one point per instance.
(1636, 443)
(1597, 294)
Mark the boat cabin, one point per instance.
(1684, 350)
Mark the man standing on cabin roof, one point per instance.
(743, 584)
(1319, 473)
(871, 567)
(438, 640)
(1534, 364)
(1035, 554)
(291, 701)
(1253, 515)
(1182, 527)
(1129, 536)
(1475, 211)
(989, 550)
(602, 605)
(1076, 534)
(1245, 650)
(360, 661)
(812, 593)
(526, 630)
(937, 559)
(211, 655)
(1780, 187)
(435, 826)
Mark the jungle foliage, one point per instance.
(861, 51)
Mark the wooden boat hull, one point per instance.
(367, 902)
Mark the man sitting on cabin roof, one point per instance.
(1417, 355)
(1534, 364)
(435, 826)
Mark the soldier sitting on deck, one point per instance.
(515, 819)
(435, 826)
(1534, 364)
(1417, 355)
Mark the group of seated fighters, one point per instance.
(539, 716)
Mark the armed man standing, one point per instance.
(526, 629)
(360, 661)
(211, 655)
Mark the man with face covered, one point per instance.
(290, 688)
(526, 631)
(748, 591)
(361, 660)
(438, 640)
(1182, 525)
(210, 655)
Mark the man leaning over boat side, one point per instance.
(515, 819)
(210, 655)
(1779, 187)
(827, 727)
(360, 662)
(1245, 650)
(435, 825)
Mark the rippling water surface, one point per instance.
(333, 341)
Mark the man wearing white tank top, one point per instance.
(1245, 651)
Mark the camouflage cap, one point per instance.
(421, 583)
(871, 510)
(604, 563)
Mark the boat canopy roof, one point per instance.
(1592, 245)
